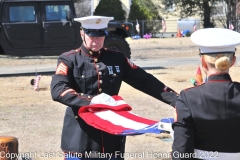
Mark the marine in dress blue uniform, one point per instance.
(208, 116)
(82, 74)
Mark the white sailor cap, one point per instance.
(94, 25)
(216, 40)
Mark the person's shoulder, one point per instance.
(111, 50)
(194, 88)
(69, 55)
(71, 52)
(113, 53)
(237, 84)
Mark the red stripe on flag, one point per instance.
(101, 124)
(113, 119)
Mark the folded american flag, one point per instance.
(113, 116)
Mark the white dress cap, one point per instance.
(94, 22)
(216, 40)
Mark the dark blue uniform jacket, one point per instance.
(208, 117)
(82, 74)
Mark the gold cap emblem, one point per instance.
(98, 21)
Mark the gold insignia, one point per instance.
(98, 21)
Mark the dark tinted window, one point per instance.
(56, 12)
(22, 14)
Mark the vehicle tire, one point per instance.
(116, 42)
(1, 51)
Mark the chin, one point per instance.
(95, 49)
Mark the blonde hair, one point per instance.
(221, 62)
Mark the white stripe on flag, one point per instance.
(106, 100)
(37, 82)
(120, 120)
(111, 103)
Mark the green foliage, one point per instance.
(143, 10)
(188, 34)
(136, 11)
(111, 8)
(147, 11)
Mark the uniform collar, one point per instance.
(90, 52)
(219, 77)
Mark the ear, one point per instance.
(81, 32)
(204, 64)
(233, 61)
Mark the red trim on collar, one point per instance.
(90, 55)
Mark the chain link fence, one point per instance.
(155, 28)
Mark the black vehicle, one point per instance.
(46, 27)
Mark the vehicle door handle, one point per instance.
(46, 25)
(8, 27)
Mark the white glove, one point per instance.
(104, 99)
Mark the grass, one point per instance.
(36, 120)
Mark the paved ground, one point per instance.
(6, 71)
(25, 70)
(147, 53)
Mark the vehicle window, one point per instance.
(22, 14)
(56, 12)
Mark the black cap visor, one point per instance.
(96, 32)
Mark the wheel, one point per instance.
(116, 42)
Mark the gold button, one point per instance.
(76, 117)
(100, 73)
(76, 50)
(100, 81)
(90, 52)
(114, 75)
(95, 59)
(81, 94)
(82, 76)
(100, 89)
(99, 52)
(89, 96)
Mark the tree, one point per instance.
(145, 10)
(205, 8)
(232, 13)
(192, 7)
(82, 7)
(111, 8)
